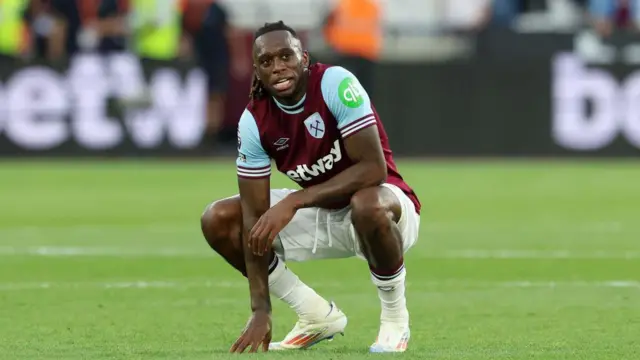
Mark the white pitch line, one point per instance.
(535, 254)
(79, 251)
(602, 227)
(141, 284)
(553, 284)
(101, 227)
(76, 251)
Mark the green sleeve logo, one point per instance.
(350, 93)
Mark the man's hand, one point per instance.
(270, 224)
(256, 333)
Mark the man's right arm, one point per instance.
(254, 170)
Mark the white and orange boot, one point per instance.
(393, 337)
(305, 334)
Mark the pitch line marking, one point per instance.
(148, 251)
(159, 284)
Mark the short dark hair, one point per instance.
(275, 26)
(257, 89)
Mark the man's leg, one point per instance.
(221, 226)
(375, 216)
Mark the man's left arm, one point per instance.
(351, 106)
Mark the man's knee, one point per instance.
(221, 222)
(369, 211)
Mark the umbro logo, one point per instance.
(281, 144)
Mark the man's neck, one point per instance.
(290, 101)
(291, 108)
(301, 93)
(294, 104)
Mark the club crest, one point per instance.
(315, 125)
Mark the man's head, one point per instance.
(279, 62)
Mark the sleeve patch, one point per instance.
(350, 94)
(348, 100)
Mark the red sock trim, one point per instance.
(388, 273)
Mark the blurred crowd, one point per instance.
(54, 29)
(605, 16)
(216, 33)
(159, 31)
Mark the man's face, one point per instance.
(279, 63)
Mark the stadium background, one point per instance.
(515, 121)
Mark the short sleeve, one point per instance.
(252, 162)
(348, 101)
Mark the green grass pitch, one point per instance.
(516, 260)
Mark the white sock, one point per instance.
(286, 286)
(392, 298)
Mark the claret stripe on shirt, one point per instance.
(254, 173)
(357, 125)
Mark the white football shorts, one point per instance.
(316, 233)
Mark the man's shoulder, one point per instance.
(259, 109)
(319, 68)
(322, 73)
(330, 81)
(335, 81)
